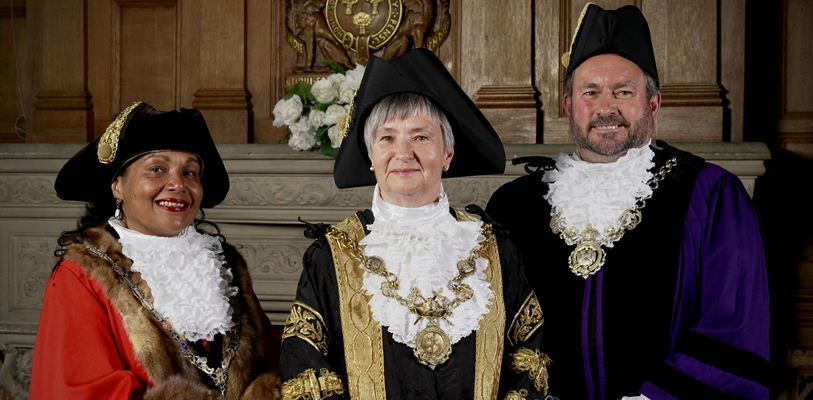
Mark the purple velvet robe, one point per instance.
(680, 308)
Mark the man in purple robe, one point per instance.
(647, 261)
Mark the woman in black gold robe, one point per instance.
(413, 299)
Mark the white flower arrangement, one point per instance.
(311, 111)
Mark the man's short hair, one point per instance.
(651, 85)
(406, 105)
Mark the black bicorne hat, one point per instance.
(477, 151)
(623, 31)
(139, 130)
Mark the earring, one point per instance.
(372, 168)
(445, 167)
(118, 214)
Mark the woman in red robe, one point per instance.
(144, 302)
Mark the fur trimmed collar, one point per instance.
(252, 373)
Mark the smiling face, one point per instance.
(608, 108)
(408, 158)
(160, 192)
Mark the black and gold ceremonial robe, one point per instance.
(333, 348)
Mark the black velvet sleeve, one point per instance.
(317, 289)
(516, 291)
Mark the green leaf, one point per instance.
(335, 67)
(303, 90)
(285, 138)
(321, 133)
(321, 106)
(328, 150)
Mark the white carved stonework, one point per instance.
(32, 261)
(28, 190)
(292, 191)
(273, 261)
(15, 373)
(463, 192)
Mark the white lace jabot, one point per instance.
(597, 193)
(422, 246)
(187, 276)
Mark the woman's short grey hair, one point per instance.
(406, 105)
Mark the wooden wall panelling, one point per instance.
(497, 68)
(10, 106)
(223, 97)
(551, 38)
(732, 67)
(796, 114)
(102, 39)
(189, 65)
(684, 34)
(259, 76)
(147, 52)
(63, 110)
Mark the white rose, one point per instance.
(346, 92)
(286, 112)
(317, 118)
(302, 135)
(335, 135)
(337, 79)
(324, 90)
(353, 77)
(333, 113)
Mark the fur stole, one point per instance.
(253, 370)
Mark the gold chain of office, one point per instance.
(432, 345)
(588, 257)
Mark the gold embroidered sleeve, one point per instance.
(307, 324)
(516, 395)
(535, 363)
(526, 322)
(308, 386)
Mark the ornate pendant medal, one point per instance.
(588, 257)
(432, 345)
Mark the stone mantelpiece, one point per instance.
(271, 186)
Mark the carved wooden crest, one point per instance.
(348, 31)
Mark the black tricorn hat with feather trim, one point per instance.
(139, 130)
(477, 151)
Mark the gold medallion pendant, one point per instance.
(586, 259)
(432, 346)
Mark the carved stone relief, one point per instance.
(278, 261)
(31, 261)
(15, 372)
(348, 31)
(28, 190)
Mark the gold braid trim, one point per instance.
(109, 142)
(307, 324)
(527, 321)
(363, 344)
(566, 55)
(535, 363)
(516, 395)
(490, 337)
(309, 387)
